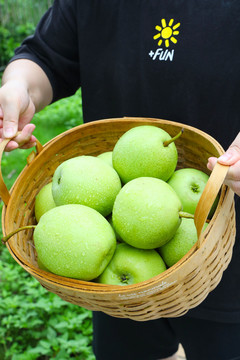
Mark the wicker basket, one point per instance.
(170, 294)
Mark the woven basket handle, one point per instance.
(4, 193)
(207, 198)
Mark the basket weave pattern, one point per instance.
(170, 294)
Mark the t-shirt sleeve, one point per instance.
(54, 47)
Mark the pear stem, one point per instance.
(186, 215)
(7, 237)
(167, 142)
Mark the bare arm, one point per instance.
(25, 90)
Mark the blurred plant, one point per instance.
(37, 324)
(18, 19)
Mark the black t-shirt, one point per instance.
(175, 59)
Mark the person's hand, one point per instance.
(230, 157)
(16, 112)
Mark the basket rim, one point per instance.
(135, 120)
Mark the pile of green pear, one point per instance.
(121, 217)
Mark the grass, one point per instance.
(19, 12)
(18, 19)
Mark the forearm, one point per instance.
(28, 74)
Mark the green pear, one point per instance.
(131, 266)
(74, 241)
(143, 151)
(41, 266)
(183, 240)
(146, 213)
(86, 180)
(189, 184)
(44, 201)
(107, 157)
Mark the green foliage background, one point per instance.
(34, 323)
(18, 19)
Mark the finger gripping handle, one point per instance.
(4, 193)
(208, 197)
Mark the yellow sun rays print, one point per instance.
(166, 32)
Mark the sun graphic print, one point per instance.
(166, 32)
